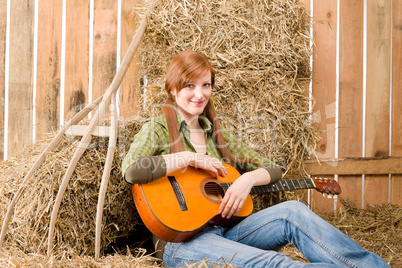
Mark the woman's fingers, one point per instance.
(235, 197)
(230, 206)
(210, 163)
(224, 207)
(221, 170)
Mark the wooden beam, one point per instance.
(350, 130)
(396, 149)
(3, 35)
(77, 58)
(104, 46)
(324, 87)
(48, 68)
(377, 117)
(130, 86)
(80, 130)
(355, 166)
(20, 96)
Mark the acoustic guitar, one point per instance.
(180, 205)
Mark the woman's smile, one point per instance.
(197, 103)
(193, 98)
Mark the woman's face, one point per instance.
(192, 99)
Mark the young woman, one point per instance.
(189, 133)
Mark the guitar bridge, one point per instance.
(178, 193)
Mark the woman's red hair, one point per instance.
(184, 68)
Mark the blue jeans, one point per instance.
(254, 242)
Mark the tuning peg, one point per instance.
(329, 196)
(323, 194)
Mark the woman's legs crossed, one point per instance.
(293, 222)
(252, 242)
(214, 249)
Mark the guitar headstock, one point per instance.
(327, 186)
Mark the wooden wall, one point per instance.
(55, 56)
(357, 87)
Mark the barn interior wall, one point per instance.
(56, 56)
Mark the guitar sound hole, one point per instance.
(214, 192)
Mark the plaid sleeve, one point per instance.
(240, 149)
(149, 141)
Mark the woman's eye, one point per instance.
(207, 85)
(189, 86)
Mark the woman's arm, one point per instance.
(237, 193)
(150, 168)
(180, 160)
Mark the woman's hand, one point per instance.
(236, 195)
(183, 159)
(209, 163)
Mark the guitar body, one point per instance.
(178, 206)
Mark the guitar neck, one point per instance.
(281, 185)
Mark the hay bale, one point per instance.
(260, 51)
(376, 228)
(75, 228)
(138, 258)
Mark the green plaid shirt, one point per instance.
(153, 139)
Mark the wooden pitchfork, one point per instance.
(108, 98)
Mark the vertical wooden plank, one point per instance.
(77, 59)
(20, 77)
(324, 85)
(130, 88)
(3, 31)
(48, 67)
(104, 46)
(303, 194)
(351, 92)
(378, 95)
(396, 147)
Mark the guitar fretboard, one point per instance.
(278, 186)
